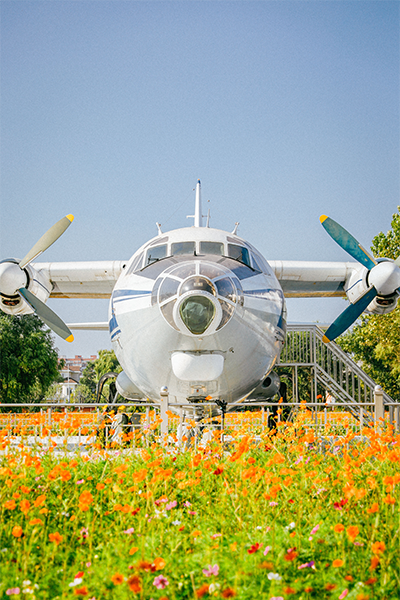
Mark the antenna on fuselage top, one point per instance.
(198, 217)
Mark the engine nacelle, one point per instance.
(12, 278)
(361, 280)
(268, 388)
(126, 388)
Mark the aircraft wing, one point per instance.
(95, 279)
(310, 279)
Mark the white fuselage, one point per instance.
(200, 311)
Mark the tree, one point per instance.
(28, 359)
(375, 340)
(106, 363)
(86, 389)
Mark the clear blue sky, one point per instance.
(111, 111)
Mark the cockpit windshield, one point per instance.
(183, 248)
(156, 253)
(239, 253)
(211, 248)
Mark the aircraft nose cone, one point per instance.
(197, 313)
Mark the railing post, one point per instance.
(163, 413)
(379, 406)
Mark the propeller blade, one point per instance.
(47, 315)
(347, 242)
(47, 240)
(348, 316)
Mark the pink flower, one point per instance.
(343, 594)
(129, 531)
(267, 549)
(216, 535)
(80, 481)
(212, 570)
(171, 505)
(314, 530)
(160, 582)
(13, 592)
(309, 565)
(84, 532)
(273, 504)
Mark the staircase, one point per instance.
(331, 368)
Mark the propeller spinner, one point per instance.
(13, 279)
(383, 277)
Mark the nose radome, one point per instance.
(197, 313)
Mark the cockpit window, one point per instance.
(183, 248)
(136, 264)
(239, 253)
(211, 248)
(156, 253)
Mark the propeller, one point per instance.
(13, 280)
(383, 277)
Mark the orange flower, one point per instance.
(202, 591)
(352, 532)
(9, 504)
(374, 562)
(55, 537)
(134, 583)
(39, 501)
(378, 547)
(373, 509)
(133, 550)
(100, 486)
(338, 528)
(24, 506)
(228, 593)
(330, 586)
(196, 533)
(17, 531)
(117, 579)
(159, 563)
(65, 475)
(389, 499)
(36, 522)
(338, 562)
(82, 591)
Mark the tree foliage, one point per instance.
(375, 340)
(106, 363)
(28, 359)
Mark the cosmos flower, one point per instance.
(212, 570)
(160, 582)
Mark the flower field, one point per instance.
(277, 516)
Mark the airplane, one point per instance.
(197, 309)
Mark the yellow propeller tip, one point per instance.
(325, 339)
(323, 218)
(70, 217)
(70, 338)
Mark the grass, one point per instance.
(272, 517)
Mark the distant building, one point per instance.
(72, 372)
